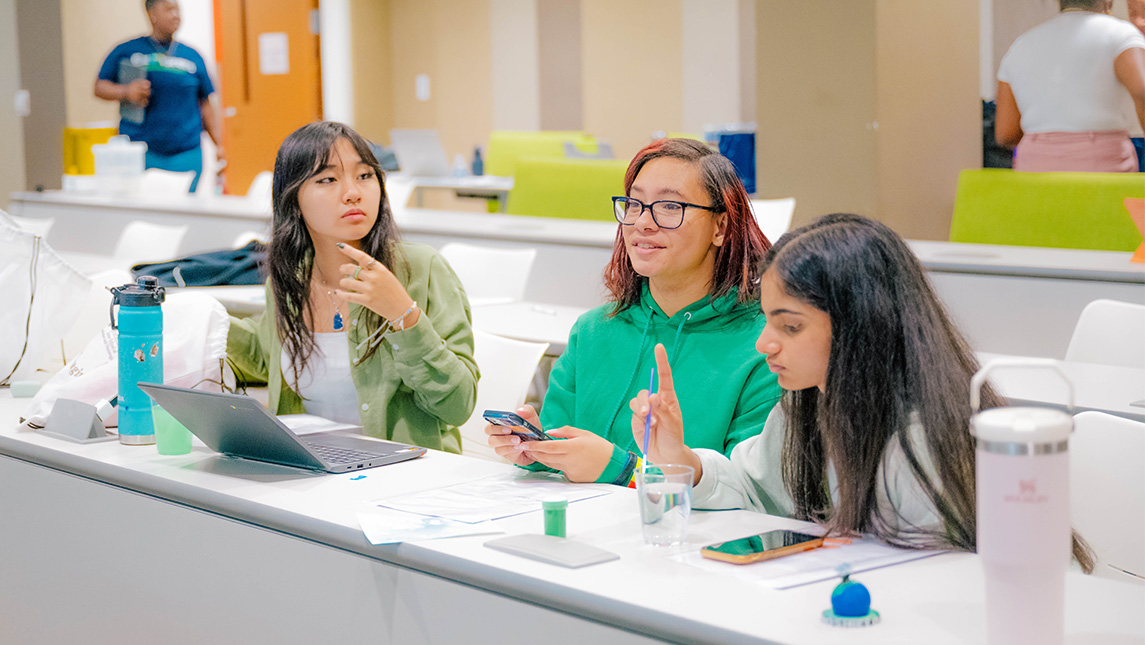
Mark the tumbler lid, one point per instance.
(1022, 425)
(144, 292)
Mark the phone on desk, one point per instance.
(765, 546)
(523, 429)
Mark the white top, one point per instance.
(1061, 73)
(325, 384)
(753, 478)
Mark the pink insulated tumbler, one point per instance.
(1023, 515)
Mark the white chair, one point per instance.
(507, 368)
(95, 313)
(1110, 333)
(1107, 491)
(246, 237)
(490, 275)
(773, 216)
(146, 242)
(260, 191)
(156, 181)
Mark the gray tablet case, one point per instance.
(553, 550)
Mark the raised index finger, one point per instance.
(361, 257)
(666, 390)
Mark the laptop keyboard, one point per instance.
(336, 455)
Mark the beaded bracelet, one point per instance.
(397, 324)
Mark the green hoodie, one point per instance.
(723, 384)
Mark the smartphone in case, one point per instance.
(765, 546)
(523, 429)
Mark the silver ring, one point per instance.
(370, 264)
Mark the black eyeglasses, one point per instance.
(665, 212)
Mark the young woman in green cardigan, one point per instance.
(359, 327)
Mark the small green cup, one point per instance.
(171, 437)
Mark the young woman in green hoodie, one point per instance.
(683, 273)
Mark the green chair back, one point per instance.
(1069, 210)
(569, 188)
(506, 147)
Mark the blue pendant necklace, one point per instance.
(338, 323)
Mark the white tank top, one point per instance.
(325, 384)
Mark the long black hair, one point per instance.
(896, 361)
(291, 255)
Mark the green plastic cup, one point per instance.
(171, 437)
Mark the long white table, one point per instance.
(1011, 300)
(109, 543)
(1111, 389)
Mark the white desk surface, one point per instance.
(934, 600)
(935, 255)
(529, 321)
(1104, 388)
(1028, 261)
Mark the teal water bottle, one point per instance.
(140, 330)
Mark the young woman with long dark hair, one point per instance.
(359, 326)
(684, 272)
(872, 435)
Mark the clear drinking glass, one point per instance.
(665, 493)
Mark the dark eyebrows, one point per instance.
(779, 312)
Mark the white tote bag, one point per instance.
(41, 296)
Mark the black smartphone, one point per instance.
(523, 429)
(765, 546)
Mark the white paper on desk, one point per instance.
(810, 566)
(385, 526)
(494, 497)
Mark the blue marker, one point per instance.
(648, 417)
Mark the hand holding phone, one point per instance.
(517, 425)
(765, 546)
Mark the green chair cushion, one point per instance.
(1070, 210)
(506, 147)
(569, 188)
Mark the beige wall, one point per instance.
(632, 85)
(815, 105)
(450, 41)
(929, 112)
(560, 56)
(372, 76)
(11, 125)
(90, 30)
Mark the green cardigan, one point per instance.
(419, 385)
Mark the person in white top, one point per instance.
(872, 433)
(1064, 88)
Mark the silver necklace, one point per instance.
(338, 323)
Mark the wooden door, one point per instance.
(270, 76)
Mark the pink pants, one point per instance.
(1110, 151)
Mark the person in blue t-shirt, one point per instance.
(164, 93)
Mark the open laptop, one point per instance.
(240, 426)
(419, 153)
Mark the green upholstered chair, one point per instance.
(506, 147)
(569, 188)
(1073, 210)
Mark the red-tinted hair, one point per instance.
(737, 260)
